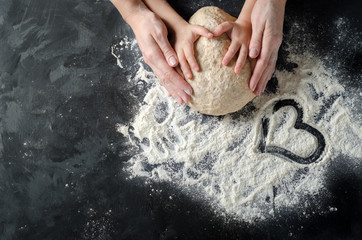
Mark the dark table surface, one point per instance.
(61, 96)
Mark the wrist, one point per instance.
(168, 15)
(130, 10)
(176, 26)
(136, 13)
(245, 14)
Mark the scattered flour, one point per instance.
(124, 44)
(217, 159)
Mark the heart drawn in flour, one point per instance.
(299, 124)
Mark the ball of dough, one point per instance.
(217, 89)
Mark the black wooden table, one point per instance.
(61, 96)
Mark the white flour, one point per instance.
(217, 159)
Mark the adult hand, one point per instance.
(267, 31)
(151, 34)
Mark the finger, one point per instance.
(166, 91)
(268, 73)
(170, 88)
(262, 62)
(177, 84)
(202, 31)
(243, 53)
(177, 93)
(233, 48)
(171, 92)
(257, 73)
(167, 75)
(223, 27)
(178, 99)
(189, 54)
(185, 66)
(184, 95)
(164, 87)
(179, 71)
(165, 46)
(264, 80)
(256, 40)
(188, 96)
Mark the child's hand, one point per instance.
(240, 33)
(185, 36)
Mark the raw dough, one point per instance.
(217, 89)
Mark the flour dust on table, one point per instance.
(271, 155)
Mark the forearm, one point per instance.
(245, 14)
(168, 15)
(130, 9)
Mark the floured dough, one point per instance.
(217, 89)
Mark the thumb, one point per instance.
(223, 27)
(255, 42)
(202, 31)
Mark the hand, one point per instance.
(267, 31)
(185, 36)
(151, 35)
(239, 32)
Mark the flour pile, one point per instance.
(218, 160)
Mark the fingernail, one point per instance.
(252, 87)
(209, 35)
(187, 91)
(225, 62)
(172, 61)
(189, 76)
(253, 53)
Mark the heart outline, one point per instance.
(299, 124)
